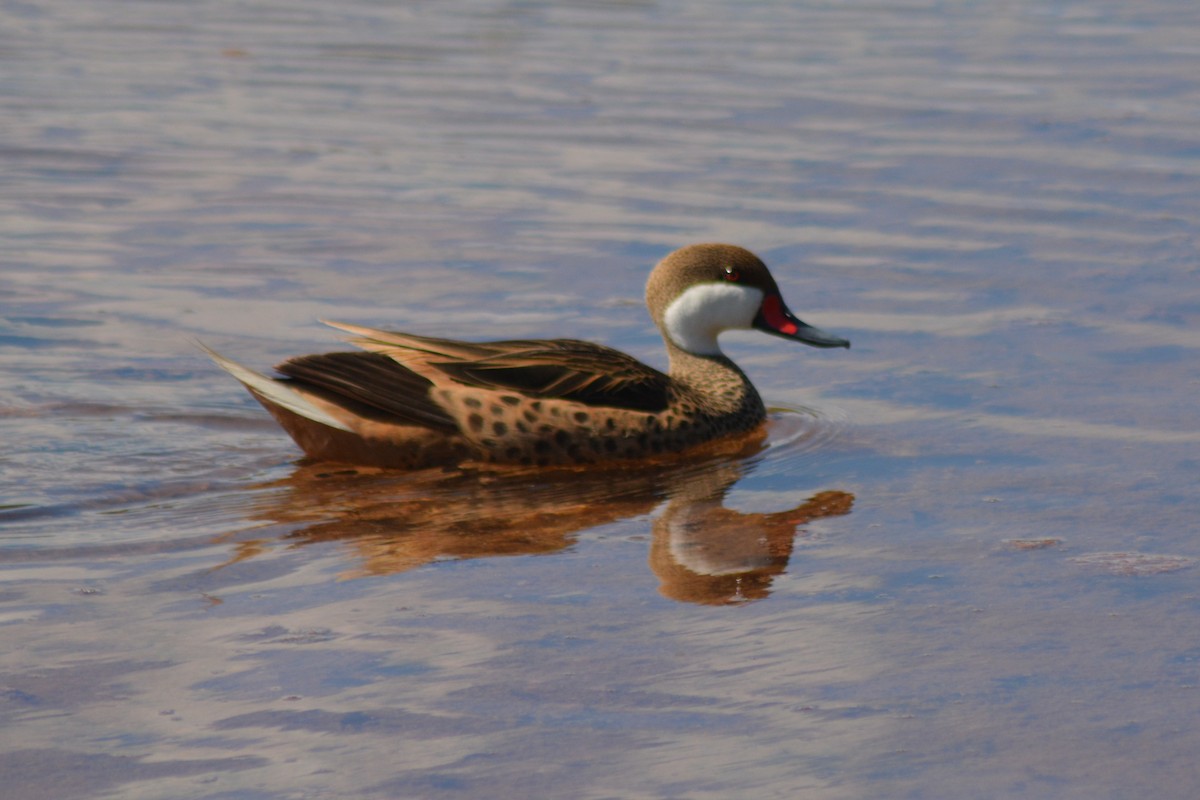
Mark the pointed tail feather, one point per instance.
(278, 392)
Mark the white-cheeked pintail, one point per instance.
(417, 401)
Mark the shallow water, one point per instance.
(962, 564)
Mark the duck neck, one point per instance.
(717, 381)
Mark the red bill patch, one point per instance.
(776, 316)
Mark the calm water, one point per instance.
(963, 563)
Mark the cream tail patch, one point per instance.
(277, 392)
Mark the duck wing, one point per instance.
(377, 386)
(567, 369)
(563, 369)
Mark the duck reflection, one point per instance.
(701, 551)
(705, 553)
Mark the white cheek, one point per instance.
(695, 318)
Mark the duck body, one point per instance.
(412, 401)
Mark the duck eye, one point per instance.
(732, 274)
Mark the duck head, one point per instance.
(699, 291)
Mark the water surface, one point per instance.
(961, 564)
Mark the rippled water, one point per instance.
(961, 564)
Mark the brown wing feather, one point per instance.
(410, 346)
(374, 381)
(566, 369)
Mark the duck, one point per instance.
(404, 401)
